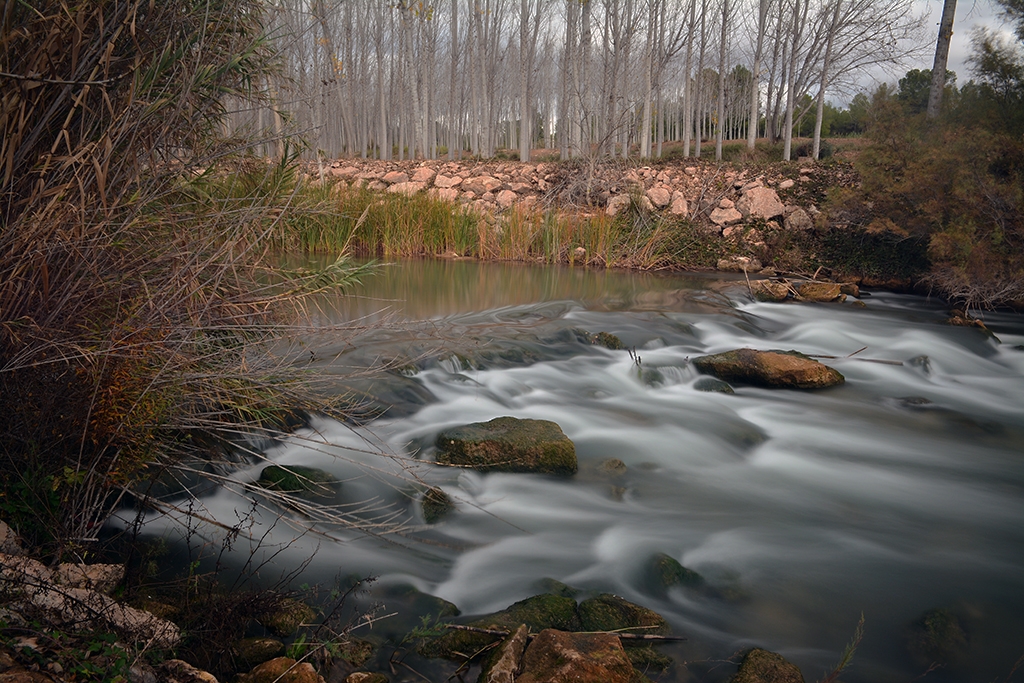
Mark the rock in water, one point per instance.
(762, 666)
(538, 613)
(663, 572)
(607, 612)
(296, 479)
(559, 657)
(773, 369)
(436, 504)
(820, 291)
(508, 444)
(770, 290)
(937, 636)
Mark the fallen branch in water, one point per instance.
(851, 356)
(625, 636)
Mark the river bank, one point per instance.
(767, 218)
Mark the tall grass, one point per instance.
(395, 226)
(139, 316)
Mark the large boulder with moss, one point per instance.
(559, 657)
(607, 612)
(508, 444)
(538, 613)
(298, 479)
(504, 664)
(772, 369)
(762, 666)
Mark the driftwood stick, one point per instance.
(624, 636)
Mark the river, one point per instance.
(899, 492)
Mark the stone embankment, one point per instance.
(723, 199)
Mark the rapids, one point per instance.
(897, 493)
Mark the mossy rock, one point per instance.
(287, 617)
(508, 444)
(646, 658)
(820, 291)
(298, 479)
(937, 636)
(555, 587)
(436, 504)
(607, 612)
(248, 653)
(366, 677)
(355, 651)
(538, 613)
(663, 572)
(772, 369)
(419, 604)
(713, 385)
(770, 290)
(608, 341)
(612, 467)
(762, 666)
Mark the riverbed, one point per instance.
(897, 493)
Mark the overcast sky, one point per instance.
(969, 13)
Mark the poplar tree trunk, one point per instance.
(720, 111)
(824, 78)
(941, 57)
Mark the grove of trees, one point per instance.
(413, 78)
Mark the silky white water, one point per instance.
(899, 492)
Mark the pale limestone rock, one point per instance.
(82, 608)
(747, 187)
(659, 196)
(725, 216)
(369, 175)
(798, 219)
(786, 184)
(99, 577)
(481, 184)
(447, 181)
(543, 185)
(423, 174)
(180, 671)
(760, 202)
(395, 177)
(679, 206)
(521, 187)
(617, 204)
(726, 203)
(739, 264)
(506, 198)
(690, 170)
(378, 186)
(448, 194)
(346, 172)
(407, 188)
(10, 544)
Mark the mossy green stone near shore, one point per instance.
(508, 444)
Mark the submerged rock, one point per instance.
(297, 479)
(436, 504)
(538, 613)
(762, 666)
(559, 657)
(664, 572)
(713, 385)
(508, 444)
(937, 636)
(773, 369)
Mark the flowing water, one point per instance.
(900, 492)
